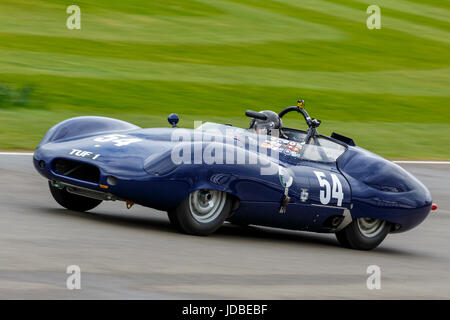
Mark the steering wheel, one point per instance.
(311, 122)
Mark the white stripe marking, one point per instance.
(422, 162)
(399, 161)
(16, 153)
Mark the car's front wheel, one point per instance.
(201, 213)
(72, 201)
(363, 233)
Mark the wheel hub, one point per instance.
(206, 205)
(370, 227)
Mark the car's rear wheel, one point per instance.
(201, 213)
(363, 233)
(72, 201)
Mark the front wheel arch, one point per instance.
(72, 201)
(364, 233)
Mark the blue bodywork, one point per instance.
(140, 162)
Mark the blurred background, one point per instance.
(211, 60)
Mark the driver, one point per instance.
(271, 126)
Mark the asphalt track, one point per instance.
(136, 254)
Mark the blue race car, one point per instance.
(266, 175)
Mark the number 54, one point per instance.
(118, 139)
(330, 192)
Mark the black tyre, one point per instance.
(201, 213)
(72, 201)
(173, 220)
(363, 233)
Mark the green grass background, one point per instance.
(211, 60)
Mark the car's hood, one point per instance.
(119, 149)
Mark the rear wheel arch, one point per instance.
(234, 198)
(203, 211)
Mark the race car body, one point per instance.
(292, 179)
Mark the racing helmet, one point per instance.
(273, 122)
